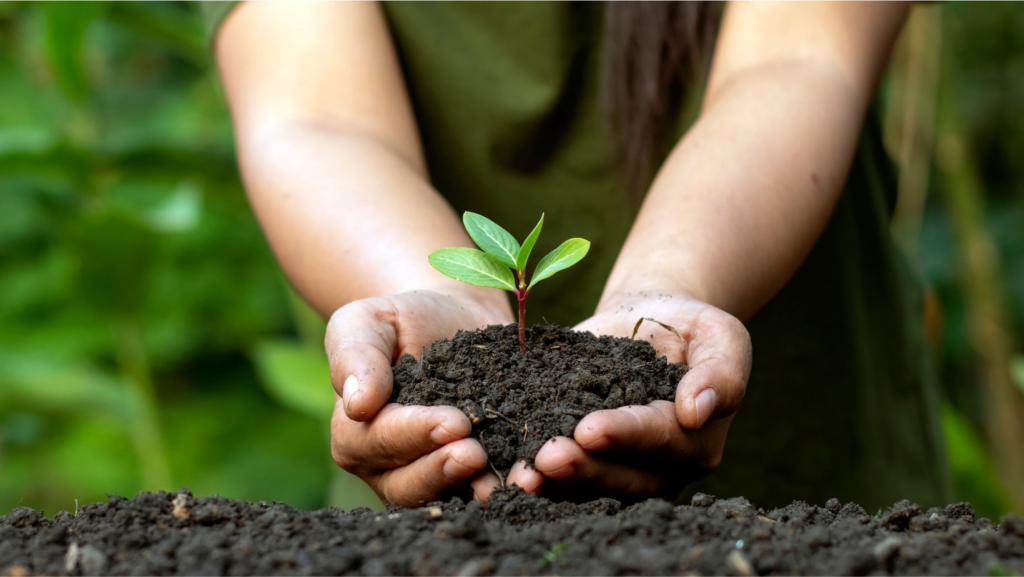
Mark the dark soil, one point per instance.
(518, 402)
(516, 534)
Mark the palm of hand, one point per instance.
(654, 450)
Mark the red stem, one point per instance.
(521, 294)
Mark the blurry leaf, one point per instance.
(21, 429)
(296, 376)
(116, 260)
(350, 492)
(1017, 371)
(177, 29)
(527, 248)
(179, 212)
(493, 239)
(43, 384)
(567, 254)
(973, 473)
(472, 266)
(26, 139)
(66, 23)
(309, 324)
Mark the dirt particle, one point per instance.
(93, 561)
(72, 557)
(180, 510)
(738, 563)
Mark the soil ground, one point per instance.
(515, 534)
(517, 402)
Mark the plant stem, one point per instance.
(521, 294)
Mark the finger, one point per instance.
(433, 476)
(525, 477)
(719, 358)
(360, 343)
(565, 462)
(636, 429)
(483, 485)
(397, 436)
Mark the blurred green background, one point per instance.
(149, 341)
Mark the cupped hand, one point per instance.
(655, 450)
(407, 454)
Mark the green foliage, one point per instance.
(567, 254)
(551, 557)
(527, 248)
(1017, 371)
(493, 239)
(973, 471)
(472, 266)
(295, 375)
(143, 322)
(501, 252)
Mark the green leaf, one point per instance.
(1017, 371)
(495, 240)
(527, 248)
(66, 23)
(296, 376)
(567, 254)
(472, 266)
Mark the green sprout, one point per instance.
(550, 557)
(501, 256)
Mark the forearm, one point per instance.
(330, 152)
(744, 196)
(348, 217)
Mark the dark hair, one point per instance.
(652, 53)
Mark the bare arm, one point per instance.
(330, 153)
(732, 214)
(752, 185)
(332, 163)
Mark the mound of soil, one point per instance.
(518, 402)
(515, 534)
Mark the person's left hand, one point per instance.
(655, 450)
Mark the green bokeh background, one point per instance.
(148, 339)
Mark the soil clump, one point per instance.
(518, 402)
(514, 534)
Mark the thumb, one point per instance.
(360, 344)
(719, 356)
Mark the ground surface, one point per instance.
(515, 534)
(517, 402)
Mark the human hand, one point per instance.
(655, 450)
(407, 454)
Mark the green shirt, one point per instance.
(842, 401)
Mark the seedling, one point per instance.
(502, 255)
(550, 557)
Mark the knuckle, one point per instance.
(342, 457)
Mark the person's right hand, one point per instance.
(407, 454)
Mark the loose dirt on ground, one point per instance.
(515, 534)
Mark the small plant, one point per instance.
(550, 557)
(502, 255)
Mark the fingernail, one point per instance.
(455, 470)
(705, 404)
(439, 435)
(600, 443)
(348, 389)
(567, 471)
